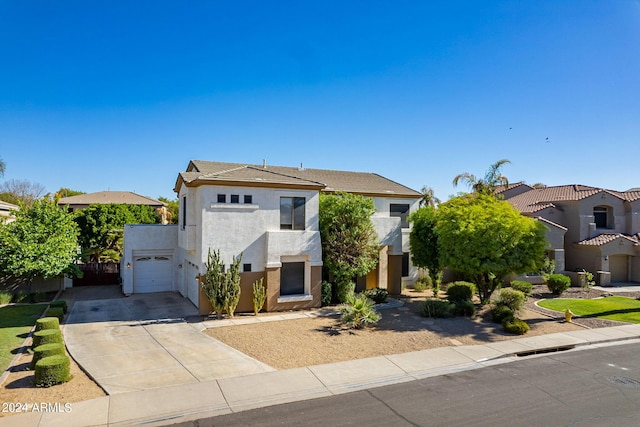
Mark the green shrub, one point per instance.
(326, 293)
(358, 312)
(46, 350)
(378, 295)
(47, 323)
(46, 336)
(437, 308)
(516, 326)
(511, 298)
(345, 290)
(423, 284)
(60, 303)
(55, 312)
(39, 297)
(558, 283)
(5, 297)
(464, 308)
(500, 313)
(460, 291)
(21, 296)
(522, 286)
(52, 370)
(259, 296)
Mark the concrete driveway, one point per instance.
(143, 342)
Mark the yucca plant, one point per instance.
(358, 312)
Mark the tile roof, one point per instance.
(603, 239)
(326, 180)
(106, 197)
(502, 189)
(5, 207)
(540, 198)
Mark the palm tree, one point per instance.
(2, 166)
(487, 185)
(428, 197)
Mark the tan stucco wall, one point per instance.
(273, 291)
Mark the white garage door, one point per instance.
(152, 274)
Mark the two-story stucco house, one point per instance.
(269, 214)
(589, 228)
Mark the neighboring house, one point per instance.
(5, 211)
(589, 228)
(269, 214)
(82, 201)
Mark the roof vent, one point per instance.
(301, 168)
(264, 163)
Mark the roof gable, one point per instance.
(110, 197)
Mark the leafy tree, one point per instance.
(428, 197)
(485, 239)
(67, 192)
(487, 185)
(21, 192)
(102, 228)
(172, 207)
(42, 241)
(349, 241)
(423, 242)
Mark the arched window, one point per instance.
(602, 216)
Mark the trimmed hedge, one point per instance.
(47, 323)
(46, 350)
(515, 326)
(558, 283)
(46, 336)
(55, 312)
(511, 298)
(52, 370)
(423, 284)
(522, 286)
(59, 303)
(500, 313)
(460, 291)
(465, 308)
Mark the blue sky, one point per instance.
(121, 95)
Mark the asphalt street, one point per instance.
(592, 387)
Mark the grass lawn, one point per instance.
(15, 323)
(612, 308)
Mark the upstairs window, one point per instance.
(222, 198)
(248, 198)
(401, 211)
(602, 217)
(235, 198)
(292, 216)
(184, 212)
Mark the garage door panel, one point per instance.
(152, 274)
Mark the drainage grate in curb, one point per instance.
(625, 382)
(544, 351)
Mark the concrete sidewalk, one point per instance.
(162, 406)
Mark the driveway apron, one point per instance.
(143, 342)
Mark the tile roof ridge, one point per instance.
(266, 169)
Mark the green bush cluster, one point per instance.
(378, 295)
(21, 296)
(358, 312)
(5, 297)
(464, 308)
(522, 286)
(501, 312)
(46, 336)
(46, 350)
(558, 283)
(513, 325)
(60, 303)
(460, 291)
(52, 370)
(326, 293)
(511, 298)
(47, 323)
(437, 308)
(423, 284)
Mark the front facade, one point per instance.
(590, 229)
(269, 215)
